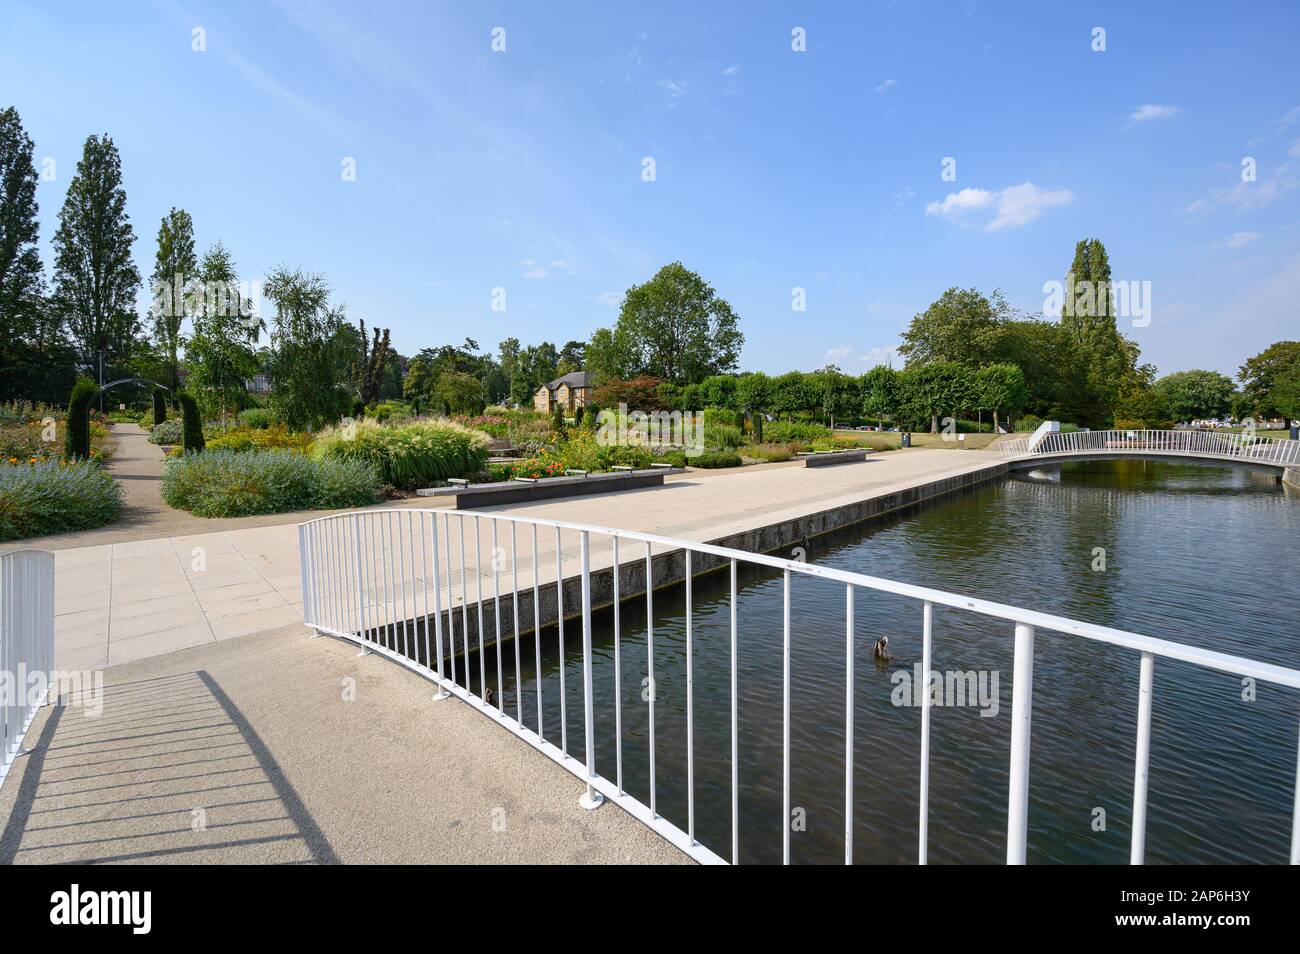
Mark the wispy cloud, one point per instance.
(675, 88)
(1237, 240)
(533, 270)
(1244, 196)
(1151, 111)
(848, 357)
(886, 85)
(610, 299)
(1013, 206)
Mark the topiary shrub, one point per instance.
(192, 430)
(557, 419)
(76, 442)
(159, 407)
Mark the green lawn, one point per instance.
(883, 439)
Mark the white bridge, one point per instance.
(1050, 445)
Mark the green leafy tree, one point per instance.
(935, 390)
(610, 355)
(460, 393)
(1285, 393)
(1101, 360)
(678, 328)
(572, 358)
(220, 355)
(371, 360)
(534, 366)
(1000, 388)
(962, 326)
(1259, 376)
(25, 333)
(718, 390)
(174, 271)
(879, 389)
(1189, 395)
(310, 352)
(95, 280)
(755, 393)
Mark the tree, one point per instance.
(22, 281)
(173, 274)
(368, 367)
(1189, 395)
(460, 393)
(95, 280)
(220, 355)
(310, 350)
(1000, 387)
(879, 389)
(754, 395)
(534, 366)
(1259, 376)
(572, 358)
(639, 394)
(1286, 392)
(1102, 359)
(930, 390)
(962, 326)
(609, 355)
(678, 328)
(718, 390)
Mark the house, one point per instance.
(570, 392)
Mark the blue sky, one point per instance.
(774, 169)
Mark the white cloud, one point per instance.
(675, 88)
(1013, 206)
(731, 70)
(849, 358)
(532, 269)
(1237, 240)
(886, 85)
(610, 299)
(1244, 196)
(1151, 111)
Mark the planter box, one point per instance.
(825, 458)
(521, 491)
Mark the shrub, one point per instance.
(168, 432)
(557, 419)
(253, 438)
(722, 435)
(77, 438)
(715, 459)
(412, 455)
(785, 432)
(192, 428)
(159, 406)
(226, 483)
(256, 417)
(768, 452)
(52, 496)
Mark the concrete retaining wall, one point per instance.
(670, 566)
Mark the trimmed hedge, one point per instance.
(226, 483)
(52, 496)
(159, 407)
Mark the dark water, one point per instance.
(1203, 555)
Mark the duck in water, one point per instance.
(881, 650)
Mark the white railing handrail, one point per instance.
(26, 641)
(1210, 445)
(343, 595)
(1212, 659)
(1040, 432)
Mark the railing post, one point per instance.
(1142, 757)
(1295, 814)
(442, 692)
(848, 724)
(927, 617)
(591, 799)
(304, 569)
(1022, 688)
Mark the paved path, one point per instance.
(120, 602)
(212, 756)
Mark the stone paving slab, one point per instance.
(281, 749)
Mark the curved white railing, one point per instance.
(379, 577)
(26, 643)
(1215, 445)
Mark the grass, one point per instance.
(885, 440)
(408, 456)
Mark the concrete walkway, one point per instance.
(120, 602)
(278, 748)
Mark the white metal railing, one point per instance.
(378, 577)
(26, 643)
(1218, 445)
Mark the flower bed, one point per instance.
(46, 496)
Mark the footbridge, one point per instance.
(1049, 445)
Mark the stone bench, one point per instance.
(825, 458)
(522, 490)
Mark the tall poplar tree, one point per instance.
(174, 269)
(95, 280)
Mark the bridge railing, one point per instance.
(26, 644)
(1214, 444)
(383, 579)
